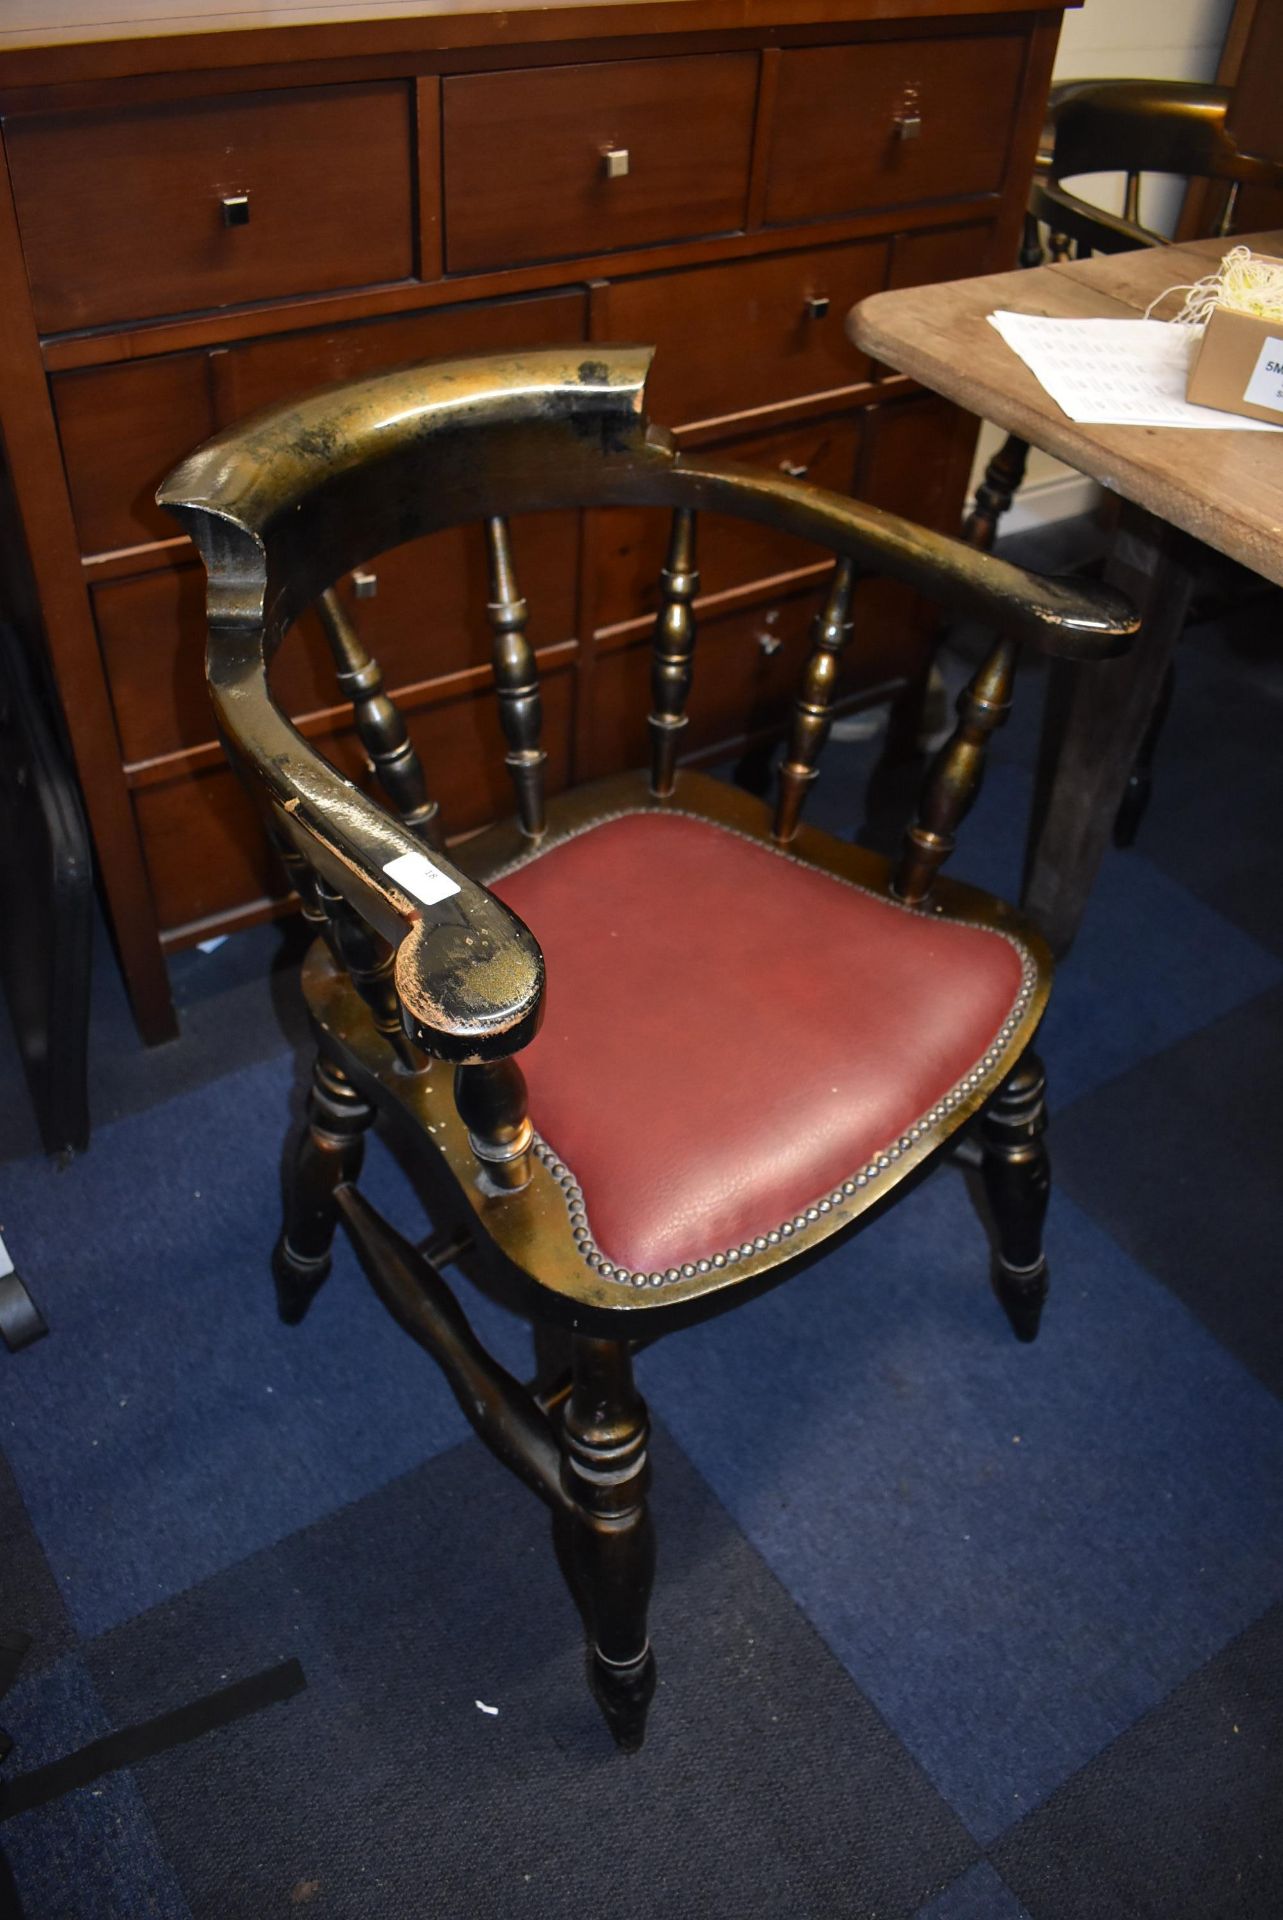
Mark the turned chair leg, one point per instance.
(606, 1473)
(994, 495)
(328, 1156)
(1017, 1176)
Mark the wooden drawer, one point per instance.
(743, 335)
(206, 851)
(122, 212)
(914, 453)
(266, 372)
(629, 543)
(123, 428)
(426, 620)
(942, 253)
(207, 855)
(525, 167)
(838, 144)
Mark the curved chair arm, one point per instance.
(1060, 617)
(469, 975)
(279, 507)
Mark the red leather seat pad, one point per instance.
(728, 1034)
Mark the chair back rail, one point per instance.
(1136, 127)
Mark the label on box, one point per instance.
(1265, 388)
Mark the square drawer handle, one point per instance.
(908, 115)
(816, 305)
(615, 162)
(235, 209)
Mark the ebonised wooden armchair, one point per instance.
(752, 1034)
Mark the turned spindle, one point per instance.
(491, 1098)
(812, 717)
(368, 960)
(517, 678)
(379, 724)
(954, 780)
(673, 656)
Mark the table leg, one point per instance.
(1095, 724)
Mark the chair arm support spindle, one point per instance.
(953, 782)
(368, 960)
(491, 1101)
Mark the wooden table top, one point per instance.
(1223, 486)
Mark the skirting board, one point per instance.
(1039, 505)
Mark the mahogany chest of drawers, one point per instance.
(206, 212)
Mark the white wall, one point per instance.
(1106, 40)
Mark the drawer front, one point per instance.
(425, 619)
(207, 855)
(205, 848)
(844, 138)
(917, 454)
(123, 216)
(941, 253)
(750, 333)
(123, 428)
(526, 173)
(268, 371)
(746, 671)
(630, 542)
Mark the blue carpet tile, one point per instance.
(29, 1593)
(1173, 964)
(978, 1894)
(1179, 1160)
(92, 1855)
(1182, 1815)
(189, 1427)
(948, 1628)
(1014, 1551)
(386, 1789)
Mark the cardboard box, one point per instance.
(1239, 366)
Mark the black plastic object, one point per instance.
(46, 905)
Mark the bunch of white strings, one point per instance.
(1245, 282)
